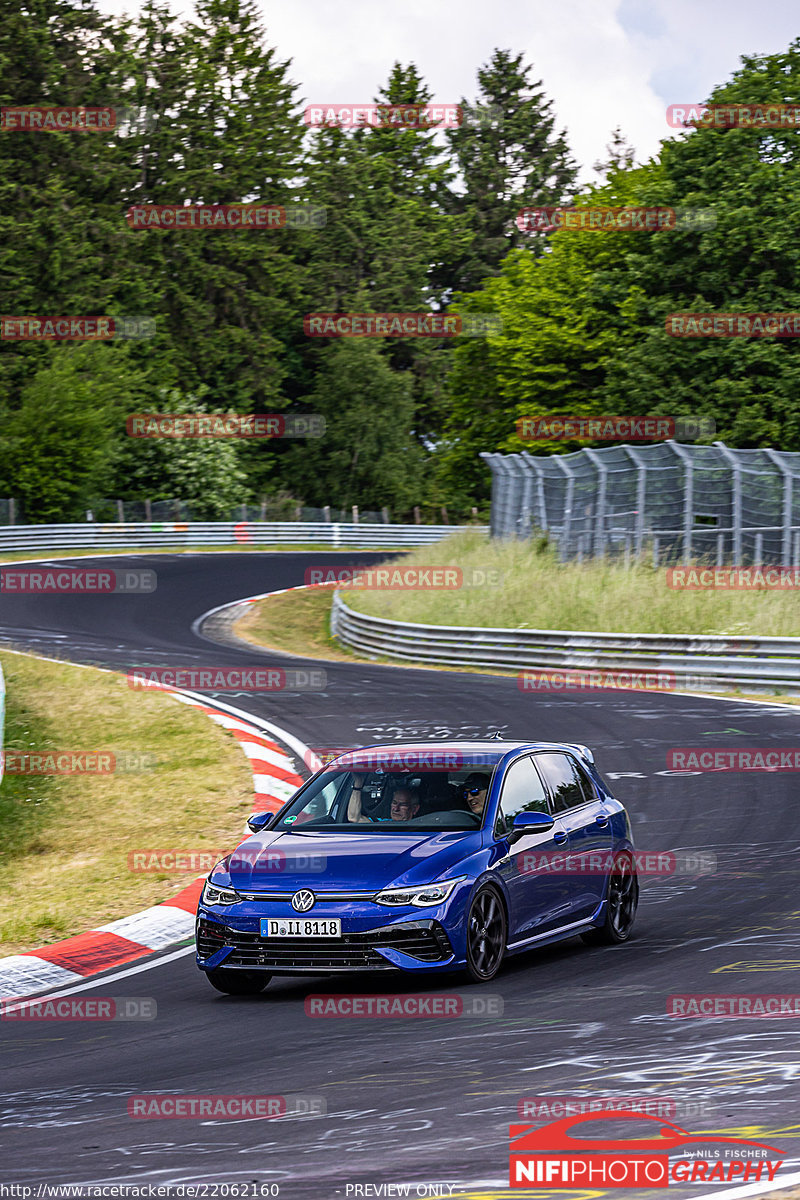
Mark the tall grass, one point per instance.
(535, 591)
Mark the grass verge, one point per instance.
(296, 622)
(65, 839)
(522, 585)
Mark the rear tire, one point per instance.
(622, 900)
(238, 983)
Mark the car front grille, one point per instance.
(426, 941)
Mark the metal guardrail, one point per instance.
(93, 535)
(696, 661)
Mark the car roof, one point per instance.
(498, 746)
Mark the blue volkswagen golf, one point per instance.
(422, 858)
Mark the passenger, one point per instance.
(404, 804)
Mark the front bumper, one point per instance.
(233, 942)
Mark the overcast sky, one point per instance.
(603, 62)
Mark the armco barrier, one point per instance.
(711, 663)
(95, 536)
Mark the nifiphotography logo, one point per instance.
(655, 1155)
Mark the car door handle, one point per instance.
(560, 838)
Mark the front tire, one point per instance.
(486, 935)
(621, 903)
(238, 983)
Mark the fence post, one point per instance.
(12, 512)
(355, 514)
(566, 527)
(600, 515)
(326, 514)
(688, 496)
(385, 515)
(737, 501)
(120, 512)
(263, 509)
(641, 499)
(148, 514)
(417, 517)
(788, 485)
(535, 467)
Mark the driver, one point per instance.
(473, 791)
(404, 805)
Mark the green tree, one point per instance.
(747, 262)
(561, 323)
(56, 457)
(509, 155)
(205, 473)
(368, 455)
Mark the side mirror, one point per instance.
(529, 822)
(259, 820)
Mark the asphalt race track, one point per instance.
(429, 1101)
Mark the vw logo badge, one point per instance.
(303, 901)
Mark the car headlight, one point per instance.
(213, 894)
(421, 896)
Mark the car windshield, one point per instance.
(382, 801)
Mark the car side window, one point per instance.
(523, 791)
(568, 786)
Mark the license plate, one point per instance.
(303, 927)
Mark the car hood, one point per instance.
(275, 861)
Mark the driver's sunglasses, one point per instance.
(471, 791)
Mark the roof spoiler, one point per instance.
(584, 751)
